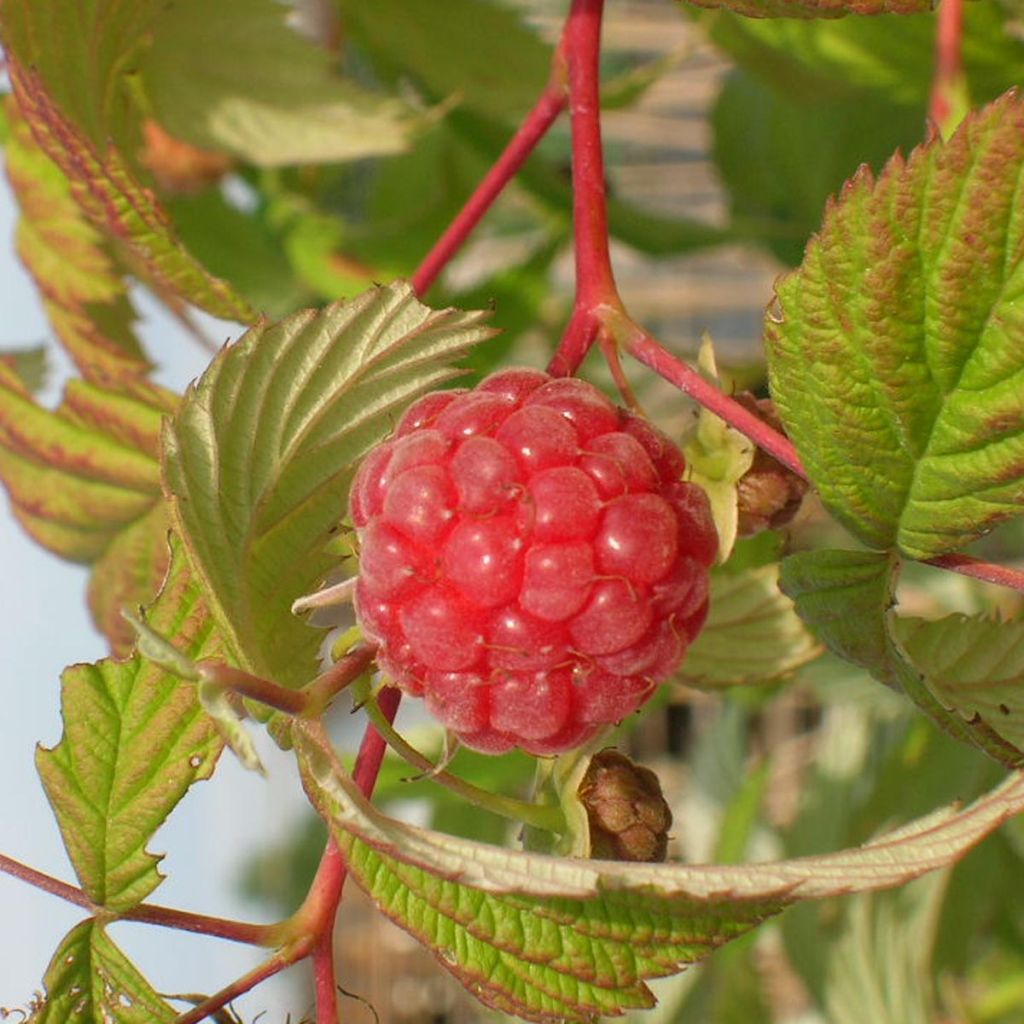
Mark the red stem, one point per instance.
(595, 282)
(531, 131)
(948, 60)
(643, 347)
(146, 913)
(325, 893)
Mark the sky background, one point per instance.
(44, 626)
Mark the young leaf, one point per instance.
(816, 8)
(260, 456)
(846, 597)
(135, 739)
(84, 481)
(271, 97)
(29, 365)
(752, 635)
(113, 199)
(896, 353)
(90, 979)
(547, 937)
(83, 292)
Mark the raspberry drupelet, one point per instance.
(532, 564)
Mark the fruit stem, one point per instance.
(948, 83)
(535, 126)
(548, 818)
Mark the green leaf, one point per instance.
(896, 353)
(114, 200)
(135, 739)
(271, 97)
(84, 482)
(752, 634)
(83, 291)
(478, 52)
(90, 979)
(781, 154)
(846, 597)
(546, 937)
(892, 55)
(816, 8)
(260, 456)
(974, 666)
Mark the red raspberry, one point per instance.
(531, 563)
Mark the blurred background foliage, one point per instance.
(303, 163)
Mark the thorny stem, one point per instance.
(948, 63)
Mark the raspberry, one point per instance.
(531, 563)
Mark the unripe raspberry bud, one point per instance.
(531, 562)
(629, 818)
(768, 494)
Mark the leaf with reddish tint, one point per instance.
(559, 938)
(815, 8)
(962, 683)
(135, 739)
(84, 482)
(114, 201)
(896, 351)
(82, 289)
(90, 979)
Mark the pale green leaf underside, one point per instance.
(134, 740)
(897, 352)
(815, 8)
(262, 452)
(846, 598)
(972, 665)
(752, 634)
(547, 937)
(271, 97)
(89, 979)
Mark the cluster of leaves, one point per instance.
(140, 151)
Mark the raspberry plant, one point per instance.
(527, 556)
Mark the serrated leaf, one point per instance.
(82, 289)
(113, 199)
(271, 98)
(846, 597)
(896, 354)
(90, 979)
(815, 8)
(478, 52)
(135, 739)
(974, 666)
(752, 634)
(84, 482)
(261, 453)
(548, 937)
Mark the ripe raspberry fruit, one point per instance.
(531, 563)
